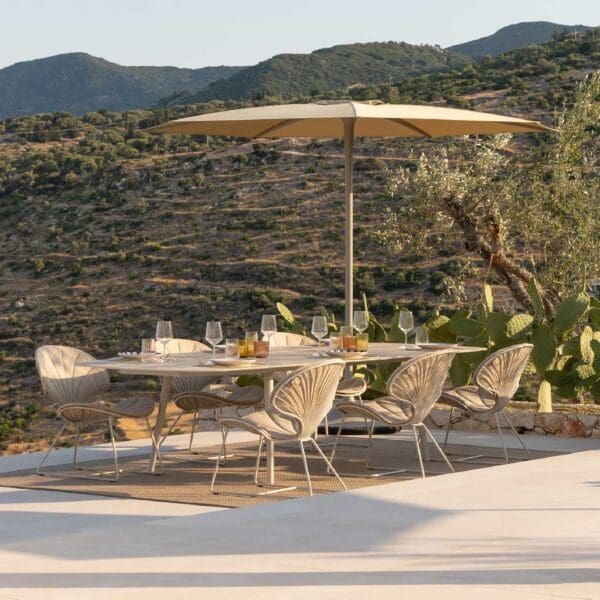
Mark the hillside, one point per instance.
(80, 83)
(514, 36)
(534, 80)
(105, 229)
(292, 75)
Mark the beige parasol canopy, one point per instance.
(347, 120)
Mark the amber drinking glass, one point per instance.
(261, 349)
(362, 342)
(348, 338)
(247, 344)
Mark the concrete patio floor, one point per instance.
(524, 530)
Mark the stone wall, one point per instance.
(562, 422)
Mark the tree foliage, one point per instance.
(526, 212)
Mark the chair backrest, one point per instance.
(419, 382)
(63, 381)
(285, 338)
(499, 373)
(187, 385)
(181, 345)
(305, 396)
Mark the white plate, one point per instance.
(346, 355)
(233, 362)
(436, 346)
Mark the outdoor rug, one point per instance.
(186, 477)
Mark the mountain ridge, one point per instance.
(511, 37)
(78, 82)
(326, 69)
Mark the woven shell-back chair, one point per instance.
(298, 404)
(413, 389)
(191, 396)
(496, 381)
(75, 389)
(352, 387)
(282, 339)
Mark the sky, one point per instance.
(198, 33)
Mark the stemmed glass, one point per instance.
(214, 334)
(319, 328)
(164, 334)
(361, 320)
(406, 323)
(268, 326)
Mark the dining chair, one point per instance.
(351, 387)
(297, 406)
(281, 339)
(190, 394)
(412, 390)
(76, 390)
(496, 381)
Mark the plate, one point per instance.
(436, 346)
(136, 355)
(233, 362)
(346, 355)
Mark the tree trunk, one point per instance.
(514, 275)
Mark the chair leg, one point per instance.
(337, 438)
(310, 490)
(329, 465)
(258, 457)
(326, 426)
(56, 438)
(77, 434)
(516, 434)
(448, 428)
(193, 430)
(418, 446)
(501, 437)
(442, 454)
(114, 449)
(224, 432)
(171, 428)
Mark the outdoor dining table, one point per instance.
(279, 360)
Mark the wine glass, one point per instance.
(164, 334)
(214, 334)
(319, 328)
(361, 320)
(268, 326)
(405, 323)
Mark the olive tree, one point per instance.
(529, 210)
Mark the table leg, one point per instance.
(270, 454)
(165, 393)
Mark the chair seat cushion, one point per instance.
(386, 410)
(241, 397)
(93, 412)
(190, 402)
(469, 399)
(82, 413)
(249, 395)
(261, 423)
(134, 408)
(354, 386)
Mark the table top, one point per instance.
(280, 359)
